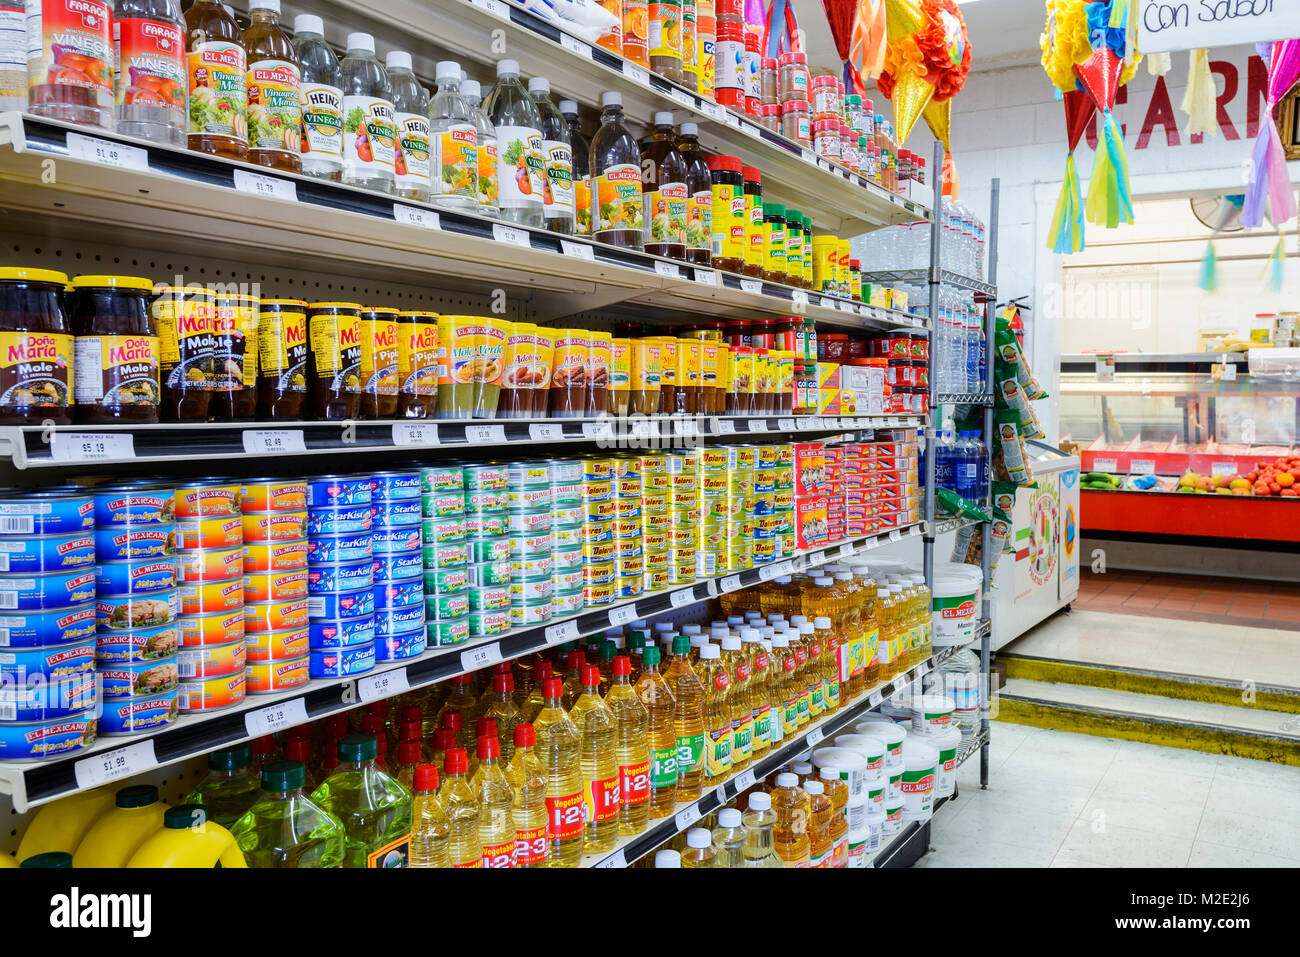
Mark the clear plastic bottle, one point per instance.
(716, 679)
(736, 661)
(284, 827)
(660, 706)
(820, 811)
(813, 641)
(790, 831)
(581, 150)
(574, 662)
(616, 178)
(460, 803)
(699, 849)
(625, 704)
(374, 809)
(759, 849)
(559, 200)
(461, 707)
(902, 640)
(500, 707)
(838, 793)
(598, 730)
(322, 100)
(664, 191)
(828, 667)
(273, 83)
(369, 129)
(532, 705)
(430, 830)
(688, 719)
(521, 166)
(406, 756)
(496, 805)
(527, 781)
(412, 152)
(559, 751)
(962, 682)
(785, 691)
(887, 643)
(729, 839)
(229, 788)
(488, 190)
(152, 75)
(760, 676)
(667, 859)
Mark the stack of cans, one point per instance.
(398, 565)
(629, 545)
(656, 518)
(210, 588)
(445, 555)
(713, 492)
(487, 533)
(568, 549)
(783, 499)
(275, 583)
(47, 592)
(134, 587)
(742, 462)
(340, 576)
(530, 519)
(687, 538)
(598, 545)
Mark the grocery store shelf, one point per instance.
(952, 524)
(688, 812)
(33, 783)
(910, 844)
(962, 398)
(41, 447)
(971, 746)
(983, 291)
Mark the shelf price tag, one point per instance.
(800, 300)
(682, 598)
(1105, 465)
(511, 235)
(668, 270)
(730, 583)
(574, 45)
(272, 187)
(383, 685)
(472, 659)
(744, 780)
(487, 434)
(273, 441)
(758, 425)
(415, 433)
(688, 427)
(276, 717)
(622, 615)
(752, 285)
(414, 216)
(596, 430)
(895, 535)
(94, 150)
(786, 425)
(808, 156)
(645, 429)
(706, 277)
(682, 97)
(616, 859)
(844, 306)
(826, 302)
(494, 7)
(635, 73)
(775, 570)
(688, 816)
(90, 446)
(726, 427)
(715, 111)
(1223, 468)
(816, 735)
(546, 431)
(848, 548)
(110, 765)
(563, 631)
(577, 250)
(875, 699)
(1142, 467)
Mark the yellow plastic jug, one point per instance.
(189, 839)
(120, 830)
(7, 860)
(61, 826)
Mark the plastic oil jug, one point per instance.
(496, 826)
(188, 839)
(374, 809)
(60, 826)
(430, 831)
(118, 833)
(284, 827)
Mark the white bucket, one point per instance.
(876, 795)
(955, 604)
(871, 747)
(920, 764)
(947, 742)
(932, 713)
(890, 732)
(893, 818)
(875, 829)
(851, 766)
(894, 783)
(860, 847)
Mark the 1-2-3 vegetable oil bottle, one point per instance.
(661, 736)
(599, 733)
(430, 830)
(633, 749)
(496, 804)
(374, 809)
(284, 827)
(527, 782)
(717, 712)
(464, 839)
(688, 719)
(559, 753)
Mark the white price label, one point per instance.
(775, 570)
(276, 717)
(494, 7)
(668, 270)
(622, 615)
(848, 548)
(546, 431)
(733, 120)
(901, 684)
(89, 446)
(472, 659)
(726, 427)
(414, 216)
(895, 535)
(1228, 372)
(808, 156)
(383, 685)
(1104, 465)
(1223, 468)
(844, 306)
(275, 441)
(730, 583)
(682, 97)
(563, 631)
(826, 302)
(752, 285)
(488, 434)
(415, 433)
(758, 425)
(816, 735)
(688, 427)
(574, 45)
(817, 558)
(682, 598)
(94, 150)
(749, 129)
(744, 780)
(271, 187)
(635, 73)
(800, 299)
(617, 859)
(578, 250)
(875, 699)
(1142, 467)
(596, 430)
(706, 277)
(511, 236)
(714, 111)
(110, 765)
(685, 818)
(786, 425)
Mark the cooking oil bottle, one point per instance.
(636, 644)
(736, 661)
(699, 847)
(120, 830)
(464, 838)
(633, 749)
(374, 809)
(496, 824)
(574, 662)
(605, 663)
(527, 781)
(790, 831)
(688, 719)
(500, 707)
(828, 664)
(661, 735)
(759, 691)
(924, 611)
(759, 849)
(785, 691)
(532, 705)
(559, 748)
(729, 839)
(802, 646)
(717, 713)
(228, 789)
(284, 827)
(406, 757)
(430, 830)
(838, 792)
(820, 842)
(886, 644)
(849, 634)
(598, 730)
(461, 703)
(444, 739)
(814, 641)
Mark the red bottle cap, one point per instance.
(525, 735)
(337, 723)
(787, 58)
(543, 671)
(379, 707)
(575, 661)
(426, 777)
(485, 726)
(551, 688)
(412, 712)
(488, 747)
(373, 724)
(451, 719)
(444, 739)
(622, 665)
(461, 680)
(408, 752)
(298, 750)
(768, 63)
(301, 732)
(752, 174)
(262, 745)
(590, 676)
(501, 683)
(409, 731)
(501, 667)
(456, 762)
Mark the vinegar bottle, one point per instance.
(152, 79)
(527, 781)
(558, 200)
(688, 719)
(660, 706)
(521, 169)
(218, 70)
(496, 825)
(464, 840)
(598, 731)
(430, 830)
(821, 843)
(616, 178)
(581, 150)
(663, 188)
(369, 129)
(699, 198)
(790, 802)
(273, 84)
(559, 753)
(322, 100)
(759, 849)
(412, 153)
(633, 749)
(488, 193)
(717, 712)
(699, 849)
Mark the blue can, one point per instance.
(51, 738)
(139, 577)
(401, 594)
(340, 577)
(395, 514)
(58, 626)
(394, 486)
(123, 680)
(398, 567)
(341, 633)
(46, 553)
(342, 604)
(133, 715)
(345, 520)
(119, 505)
(394, 621)
(411, 644)
(327, 549)
(24, 512)
(393, 541)
(130, 645)
(43, 592)
(334, 491)
(135, 542)
(41, 683)
(342, 662)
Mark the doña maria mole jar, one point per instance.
(417, 365)
(234, 360)
(379, 360)
(35, 348)
(334, 359)
(281, 359)
(115, 373)
(184, 318)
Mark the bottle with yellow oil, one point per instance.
(659, 704)
(850, 633)
(828, 667)
(559, 754)
(887, 644)
(598, 730)
(812, 677)
(759, 693)
(688, 719)
(736, 661)
(714, 676)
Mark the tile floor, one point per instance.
(1057, 799)
(1192, 597)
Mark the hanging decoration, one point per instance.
(1209, 278)
(1276, 268)
(839, 16)
(938, 116)
(868, 45)
(1270, 192)
(928, 59)
(1067, 231)
(1228, 212)
(1200, 102)
(779, 29)
(1158, 64)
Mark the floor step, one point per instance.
(1249, 732)
(1184, 687)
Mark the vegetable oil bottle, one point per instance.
(688, 720)
(759, 691)
(229, 788)
(699, 848)
(924, 602)
(716, 679)
(374, 809)
(661, 736)
(430, 830)
(444, 739)
(633, 749)
(574, 662)
(636, 642)
(261, 752)
(785, 701)
(911, 627)
(813, 670)
(369, 133)
(790, 833)
(729, 839)
(116, 835)
(820, 810)
(406, 757)
(559, 749)
(496, 826)
(736, 662)
(802, 646)
(527, 781)
(464, 840)
(462, 704)
(870, 625)
(838, 792)
(532, 705)
(828, 664)
(886, 644)
(500, 707)
(759, 849)
(284, 827)
(849, 632)
(598, 730)
(605, 663)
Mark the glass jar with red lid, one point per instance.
(796, 121)
(794, 82)
(825, 100)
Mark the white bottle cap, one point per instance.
(699, 641)
(568, 106)
(814, 787)
(822, 623)
(398, 60)
(761, 800)
(823, 582)
(730, 643)
(662, 626)
(272, 5)
(782, 580)
(753, 616)
(844, 576)
(611, 98)
(735, 619)
(882, 592)
(749, 634)
(446, 70)
(667, 858)
(699, 838)
(798, 619)
(361, 41)
(691, 630)
(689, 129)
(471, 89)
(801, 767)
(766, 632)
(830, 774)
(539, 84)
(806, 628)
(776, 616)
(308, 23)
(719, 631)
(780, 641)
(729, 817)
(786, 780)
(709, 652)
(663, 119)
(507, 68)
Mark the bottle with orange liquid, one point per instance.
(688, 719)
(790, 834)
(636, 32)
(660, 706)
(612, 39)
(820, 841)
